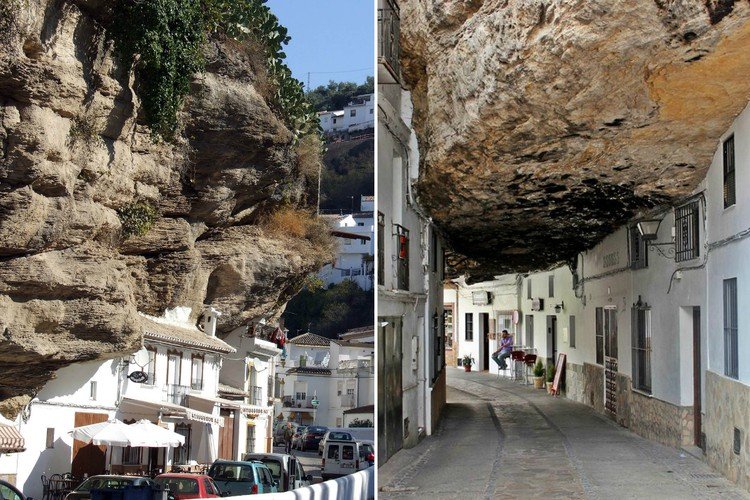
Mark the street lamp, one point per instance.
(649, 228)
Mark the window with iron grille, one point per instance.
(389, 28)
(686, 232)
(434, 249)
(381, 248)
(469, 335)
(402, 256)
(641, 342)
(438, 346)
(729, 180)
(600, 335)
(731, 367)
(551, 285)
(530, 330)
(528, 288)
(448, 326)
(638, 250)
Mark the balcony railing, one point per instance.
(177, 394)
(256, 396)
(402, 260)
(389, 32)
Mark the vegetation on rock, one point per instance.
(137, 218)
(336, 95)
(350, 171)
(165, 47)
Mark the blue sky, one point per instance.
(333, 39)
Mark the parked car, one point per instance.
(185, 486)
(366, 453)
(298, 436)
(285, 469)
(351, 433)
(242, 477)
(10, 492)
(311, 437)
(340, 458)
(105, 481)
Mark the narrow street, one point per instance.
(500, 439)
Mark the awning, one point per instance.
(11, 440)
(174, 410)
(224, 403)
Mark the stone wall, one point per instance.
(593, 386)
(661, 421)
(574, 382)
(727, 408)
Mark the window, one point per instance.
(8, 494)
(347, 452)
(174, 366)
(250, 440)
(530, 330)
(151, 368)
(551, 285)
(438, 345)
(371, 111)
(686, 232)
(131, 455)
(300, 396)
(528, 288)
(333, 451)
(50, 437)
(347, 241)
(729, 180)
(402, 262)
(448, 326)
(350, 391)
(92, 390)
(731, 368)
(641, 341)
(638, 250)
(469, 327)
(572, 331)
(600, 335)
(353, 112)
(434, 249)
(334, 120)
(196, 379)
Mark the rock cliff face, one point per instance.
(75, 153)
(545, 124)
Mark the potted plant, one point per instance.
(538, 375)
(467, 362)
(550, 377)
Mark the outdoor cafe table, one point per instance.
(58, 488)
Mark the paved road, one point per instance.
(498, 439)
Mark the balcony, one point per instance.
(177, 394)
(389, 32)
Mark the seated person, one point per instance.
(506, 346)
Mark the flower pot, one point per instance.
(538, 382)
(467, 368)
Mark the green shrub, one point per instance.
(550, 373)
(538, 368)
(137, 218)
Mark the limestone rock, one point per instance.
(545, 124)
(74, 153)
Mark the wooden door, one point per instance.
(88, 458)
(484, 321)
(226, 436)
(697, 376)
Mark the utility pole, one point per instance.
(308, 81)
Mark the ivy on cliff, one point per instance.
(164, 40)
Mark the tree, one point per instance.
(336, 95)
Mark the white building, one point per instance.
(247, 378)
(338, 375)
(651, 328)
(332, 122)
(355, 255)
(411, 353)
(359, 114)
(182, 364)
(475, 315)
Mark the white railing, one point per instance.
(357, 486)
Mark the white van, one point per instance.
(343, 433)
(340, 458)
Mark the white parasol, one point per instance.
(151, 435)
(112, 433)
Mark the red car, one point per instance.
(184, 486)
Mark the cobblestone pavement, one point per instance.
(499, 439)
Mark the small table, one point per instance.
(58, 488)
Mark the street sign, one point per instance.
(138, 377)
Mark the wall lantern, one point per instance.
(560, 307)
(648, 228)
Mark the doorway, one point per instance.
(610, 359)
(697, 378)
(226, 435)
(390, 401)
(484, 321)
(551, 339)
(88, 458)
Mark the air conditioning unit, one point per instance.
(481, 298)
(537, 304)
